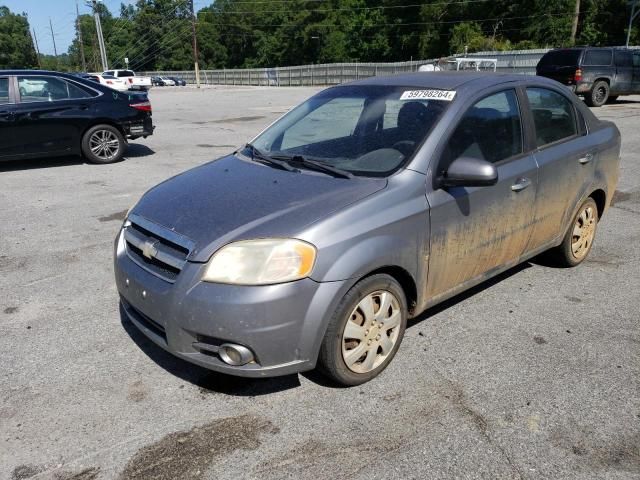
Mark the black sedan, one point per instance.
(50, 114)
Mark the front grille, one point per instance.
(160, 251)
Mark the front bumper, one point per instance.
(282, 325)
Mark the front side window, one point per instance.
(636, 59)
(490, 130)
(368, 130)
(48, 89)
(553, 116)
(596, 58)
(4, 90)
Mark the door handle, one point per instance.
(521, 184)
(586, 159)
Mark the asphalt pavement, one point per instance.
(534, 374)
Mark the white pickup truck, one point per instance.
(133, 81)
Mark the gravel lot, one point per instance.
(532, 375)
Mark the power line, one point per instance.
(327, 10)
(407, 24)
(178, 36)
(167, 12)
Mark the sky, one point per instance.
(63, 15)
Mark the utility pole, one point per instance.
(195, 44)
(79, 27)
(53, 37)
(103, 52)
(35, 40)
(634, 13)
(574, 25)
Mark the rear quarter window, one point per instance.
(595, 58)
(561, 58)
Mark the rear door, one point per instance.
(51, 114)
(477, 230)
(624, 72)
(8, 144)
(566, 161)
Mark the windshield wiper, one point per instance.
(300, 161)
(257, 155)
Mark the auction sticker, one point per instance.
(445, 95)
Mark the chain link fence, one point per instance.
(514, 61)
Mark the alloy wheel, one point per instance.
(104, 144)
(371, 331)
(583, 232)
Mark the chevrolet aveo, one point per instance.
(358, 209)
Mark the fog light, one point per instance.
(235, 354)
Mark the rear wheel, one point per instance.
(578, 240)
(103, 144)
(365, 331)
(598, 95)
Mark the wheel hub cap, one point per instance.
(583, 232)
(371, 331)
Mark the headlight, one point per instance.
(261, 262)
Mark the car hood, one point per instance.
(235, 199)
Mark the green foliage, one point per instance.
(157, 34)
(16, 45)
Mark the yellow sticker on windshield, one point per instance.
(445, 95)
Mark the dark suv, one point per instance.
(599, 74)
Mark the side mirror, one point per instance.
(469, 172)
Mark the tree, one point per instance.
(17, 50)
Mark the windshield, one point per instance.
(366, 130)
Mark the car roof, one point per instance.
(443, 80)
(38, 72)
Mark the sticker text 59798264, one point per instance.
(445, 95)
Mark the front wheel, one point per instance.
(598, 95)
(103, 144)
(365, 331)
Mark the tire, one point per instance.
(598, 95)
(612, 99)
(103, 144)
(368, 328)
(566, 255)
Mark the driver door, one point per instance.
(477, 230)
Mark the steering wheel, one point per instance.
(406, 147)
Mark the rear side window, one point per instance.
(48, 89)
(596, 58)
(490, 130)
(125, 73)
(4, 90)
(636, 59)
(623, 58)
(553, 116)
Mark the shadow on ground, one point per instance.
(207, 380)
(135, 150)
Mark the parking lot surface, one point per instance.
(535, 374)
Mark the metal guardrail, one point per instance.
(514, 61)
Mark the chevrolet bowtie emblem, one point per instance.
(149, 249)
